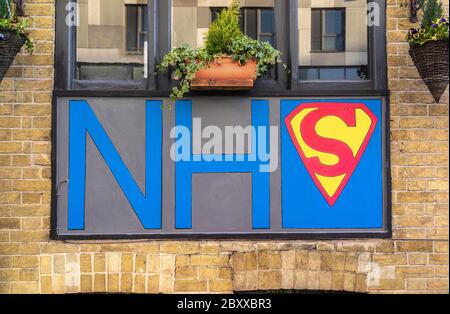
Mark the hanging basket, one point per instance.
(431, 60)
(10, 46)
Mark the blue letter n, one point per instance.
(147, 204)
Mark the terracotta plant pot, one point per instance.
(224, 73)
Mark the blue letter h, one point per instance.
(260, 180)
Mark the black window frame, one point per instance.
(159, 84)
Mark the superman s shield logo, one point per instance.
(330, 139)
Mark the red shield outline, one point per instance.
(353, 106)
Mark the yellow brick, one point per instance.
(153, 284)
(46, 284)
(99, 263)
(238, 261)
(126, 283)
(224, 273)
(29, 275)
(190, 286)
(207, 273)
(268, 280)
(264, 260)
(349, 281)
(416, 284)
(251, 262)
(438, 284)
(153, 263)
(180, 247)
(325, 280)
(221, 286)
(99, 283)
(417, 258)
(313, 280)
(338, 261)
(86, 283)
(441, 247)
(414, 272)
(186, 272)
(24, 262)
(141, 263)
(182, 260)
(127, 262)
(389, 259)
(361, 283)
(438, 259)
(275, 260)
(391, 284)
(337, 280)
(205, 260)
(85, 263)
(209, 248)
(415, 246)
(30, 287)
(113, 283)
(139, 284)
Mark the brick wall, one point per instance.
(415, 260)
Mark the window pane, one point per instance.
(333, 39)
(191, 19)
(267, 21)
(316, 30)
(332, 73)
(111, 39)
(333, 22)
(132, 30)
(251, 23)
(309, 74)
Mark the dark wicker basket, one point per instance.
(9, 47)
(431, 60)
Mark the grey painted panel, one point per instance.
(222, 112)
(222, 201)
(223, 198)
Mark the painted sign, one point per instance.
(128, 167)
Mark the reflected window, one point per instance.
(111, 40)
(328, 31)
(191, 20)
(257, 23)
(137, 27)
(333, 41)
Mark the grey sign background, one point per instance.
(221, 202)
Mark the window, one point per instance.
(110, 40)
(192, 18)
(327, 45)
(137, 28)
(333, 42)
(328, 30)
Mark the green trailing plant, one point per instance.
(433, 25)
(224, 38)
(10, 21)
(186, 61)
